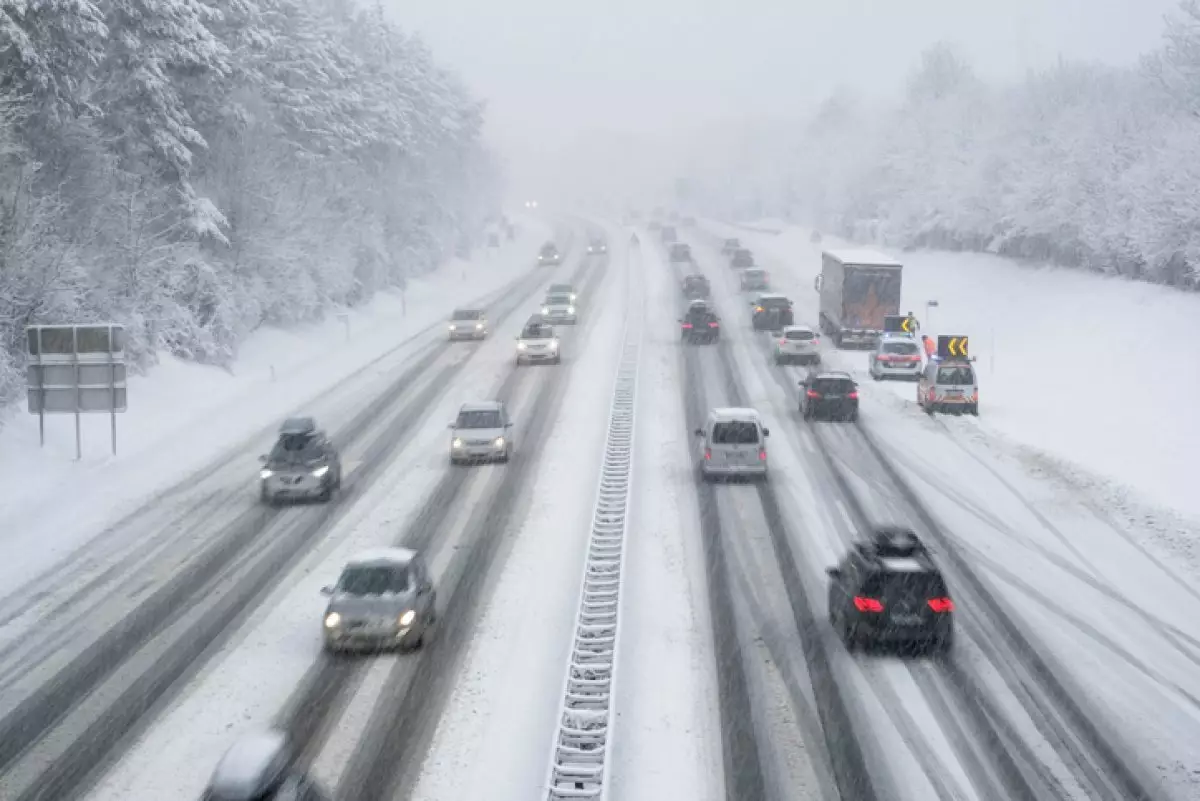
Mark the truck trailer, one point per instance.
(858, 288)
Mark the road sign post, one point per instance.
(76, 369)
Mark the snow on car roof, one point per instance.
(735, 413)
(863, 256)
(480, 406)
(902, 564)
(246, 765)
(393, 555)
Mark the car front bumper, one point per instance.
(537, 355)
(295, 485)
(477, 453)
(469, 333)
(351, 637)
(708, 469)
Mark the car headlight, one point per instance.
(521, 346)
(333, 620)
(408, 617)
(570, 310)
(545, 310)
(266, 473)
(457, 443)
(573, 296)
(554, 344)
(320, 471)
(478, 326)
(499, 443)
(453, 327)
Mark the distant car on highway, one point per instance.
(741, 258)
(888, 590)
(559, 309)
(481, 433)
(699, 324)
(754, 278)
(772, 312)
(948, 386)
(730, 245)
(734, 442)
(829, 396)
(669, 235)
(681, 253)
(303, 464)
(384, 599)
(563, 289)
(696, 286)
(798, 344)
(468, 324)
(537, 342)
(261, 767)
(598, 247)
(549, 255)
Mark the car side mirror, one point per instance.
(699, 432)
(508, 425)
(833, 572)
(766, 432)
(327, 589)
(450, 426)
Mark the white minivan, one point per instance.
(735, 445)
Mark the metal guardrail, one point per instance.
(579, 767)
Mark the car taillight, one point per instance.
(707, 454)
(812, 393)
(816, 340)
(758, 308)
(975, 396)
(687, 325)
(762, 454)
(783, 341)
(713, 325)
(853, 396)
(941, 604)
(867, 604)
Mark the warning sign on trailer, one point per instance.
(897, 324)
(953, 347)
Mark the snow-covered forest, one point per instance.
(1083, 165)
(195, 169)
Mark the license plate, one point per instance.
(906, 620)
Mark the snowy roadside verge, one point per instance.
(182, 416)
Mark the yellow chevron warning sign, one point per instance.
(953, 347)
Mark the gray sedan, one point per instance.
(383, 599)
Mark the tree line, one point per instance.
(195, 169)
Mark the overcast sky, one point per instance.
(553, 70)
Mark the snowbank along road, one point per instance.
(599, 604)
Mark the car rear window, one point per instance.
(833, 386)
(800, 335)
(538, 332)
(735, 432)
(374, 580)
(478, 419)
(907, 586)
(957, 376)
(466, 314)
(900, 348)
(775, 303)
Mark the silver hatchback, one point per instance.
(383, 599)
(481, 433)
(895, 356)
(734, 442)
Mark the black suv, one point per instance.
(668, 234)
(887, 590)
(696, 286)
(741, 259)
(832, 396)
(772, 313)
(700, 324)
(681, 253)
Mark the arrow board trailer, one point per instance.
(859, 290)
(953, 347)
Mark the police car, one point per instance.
(887, 590)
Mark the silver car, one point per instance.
(383, 599)
(559, 308)
(798, 343)
(734, 443)
(563, 289)
(468, 324)
(261, 767)
(755, 278)
(896, 356)
(481, 434)
(538, 343)
(303, 465)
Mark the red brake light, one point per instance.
(941, 604)
(707, 453)
(783, 341)
(687, 325)
(758, 308)
(853, 395)
(713, 325)
(762, 454)
(812, 393)
(868, 604)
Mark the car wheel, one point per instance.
(326, 494)
(504, 459)
(558, 359)
(974, 409)
(852, 417)
(266, 497)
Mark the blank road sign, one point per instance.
(91, 399)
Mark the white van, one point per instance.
(735, 445)
(948, 386)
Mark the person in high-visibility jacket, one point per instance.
(930, 346)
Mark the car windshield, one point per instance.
(900, 348)
(294, 446)
(560, 288)
(374, 579)
(483, 418)
(833, 386)
(920, 585)
(735, 432)
(467, 314)
(538, 332)
(548, 249)
(558, 300)
(696, 280)
(756, 273)
(801, 335)
(959, 375)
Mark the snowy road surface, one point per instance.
(133, 665)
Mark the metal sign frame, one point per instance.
(76, 369)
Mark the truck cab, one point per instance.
(858, 289)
